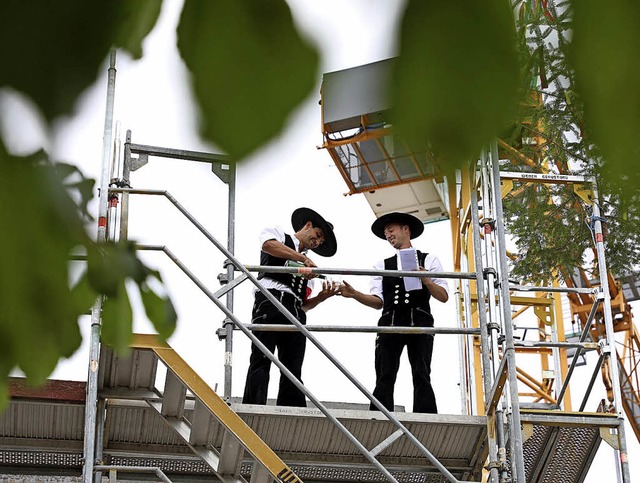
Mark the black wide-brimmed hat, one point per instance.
(415, 225)
(300, 217)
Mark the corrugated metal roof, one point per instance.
(47, 434)
(37, 433)
(40, 433)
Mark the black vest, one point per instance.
(297, 284)
(393, 292)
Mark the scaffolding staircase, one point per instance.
(237, 442)
(134, 377)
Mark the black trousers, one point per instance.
(290, 348)
(389, 348)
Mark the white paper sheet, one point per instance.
(409, 261)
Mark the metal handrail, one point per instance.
(365, 452)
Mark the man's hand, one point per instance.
(329, 289)
(347, 291)
(437, 292)
(310, 264)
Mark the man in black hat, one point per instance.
(312, 232)
(402, 307)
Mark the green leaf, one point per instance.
(110, 264)
(56, 48)
(250, 69)
(455, 85)
(38, 320)
(117, 320)
(605, 53)
(137, 19)
(85, 191)
(38, 360)
(83, 295)
(103, 275)
(67, 175)
(160, 311)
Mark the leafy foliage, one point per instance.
(550, 228)
(554, 133)
(250, 68)
(604, 53)
(40, 310)
(58, 46)
(43, 205)
(110, 266)
(456, 81)
(465, 76)
(38, 320)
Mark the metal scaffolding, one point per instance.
(502, 428)
(489, 279)
(505, 438)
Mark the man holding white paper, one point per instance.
(405, 302)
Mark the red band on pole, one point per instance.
(102, 221)
(599, 238)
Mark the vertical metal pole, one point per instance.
(124, 200)
(482, 318)
(557, 365)
(460, 312)
(228, 341)
(107, 140)
(508, 347)
(100, 437)
(112, 220)
(495, 328)
(466, 292)
(608, 321)
(461, 351)
(94, 342)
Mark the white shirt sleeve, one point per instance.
(432, 264)
(271, 233)
(375, 284)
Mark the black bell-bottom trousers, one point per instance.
(290, 348)
(388, 350)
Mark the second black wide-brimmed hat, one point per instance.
(300, 217)
(415, 225)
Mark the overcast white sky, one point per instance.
(153, 100)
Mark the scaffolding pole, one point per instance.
(96, 311)
(487, 373)
(623, 460)
(508, 351)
